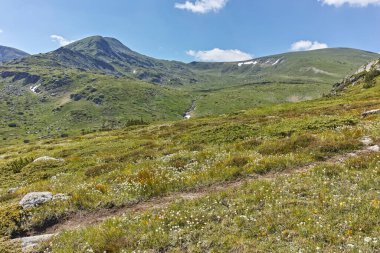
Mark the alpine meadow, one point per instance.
(260, 134)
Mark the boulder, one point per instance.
(29, 243)
(48, 158)
(33, 199)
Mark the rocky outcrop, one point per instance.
(34, 199)
(359, 75)
(17, 76)
(373, 65)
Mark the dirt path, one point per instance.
(84, 219)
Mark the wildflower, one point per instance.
(375, 203)
(367, 239)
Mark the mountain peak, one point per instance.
(98, 46)
(9, 54)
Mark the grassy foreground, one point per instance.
(333, 208)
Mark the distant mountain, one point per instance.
(8, 54)
(110, 56)
(318, 66)
(99, 83)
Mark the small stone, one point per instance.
(366, 141)
(375, 148)
(29, 243)
(12, 190)
(33, 199)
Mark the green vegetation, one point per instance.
(74, 92)
(335, 207)
(118, 145)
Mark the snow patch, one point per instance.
(247, 63)
(35, 89)
(276, 62)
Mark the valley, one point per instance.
(107, 150)
(144, 187)
(98, 84)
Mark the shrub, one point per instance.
(179, 162)
(11, 217)
(100, 169)
(287, 145)
(369, 78)
(250, 144)
(238, 161)
(17, 165)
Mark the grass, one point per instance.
(74, 101)
(334, 208)
(115, 168)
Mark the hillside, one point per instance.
(289, 177)
(98, 83)
(8, 54)
(109, 56)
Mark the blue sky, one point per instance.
(206, 30)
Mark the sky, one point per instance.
(188, 30)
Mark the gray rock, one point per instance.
(375, 148)
(12, 190)
(29, 243)
(48, 158)
(366, 141)
(33, 199)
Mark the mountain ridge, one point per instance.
(98, 83)
(110, 56)
(9, 53)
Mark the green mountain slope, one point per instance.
(324, 65)
(110, 56)
(51, 103)
(8, 54)
(98, 83)
(290, 77)
(299, 176)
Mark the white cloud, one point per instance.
(355, 3)
(202, 6)
(219, 55)
(61, 40)
(307, 45)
